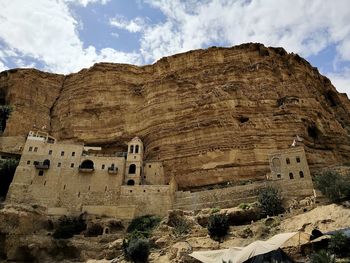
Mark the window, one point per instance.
(298, 159)
(105, 188)
(59, 165)
(41, 173)
(103, 166)
(132, 169)
(30, 148)
(45, 183)
(50, 152)
(73, 153)
(301, 174)
(137, 149)
(131, 148)
(149, 166)
(72, 165)
(79, 194)
(291, 176)
(64, 187)
(62, 153)
(278, 176)
(287, 161)
(28, 162)
(35, 149)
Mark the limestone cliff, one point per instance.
(211, 115)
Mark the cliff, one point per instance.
(210, 115)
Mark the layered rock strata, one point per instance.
(210, 115)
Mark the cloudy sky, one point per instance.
(64, 36)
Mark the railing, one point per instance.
(86, 169)
(112, 170)
(41, 165)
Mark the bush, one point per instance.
(69, 227)
(180, 226)
(137, 249)
(270, 202)
(144, 224)
(339, 244)
(333, 185)
(322, 257)
(94, 230)
(218, 226)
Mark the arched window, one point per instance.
(298, 159)
(278, 176)
(130, 182)
(301, 174)
(87, 164)
(287, 161)
(131, 148)
(291, 176)
(137, 149)
(46, 162)
(132, 169)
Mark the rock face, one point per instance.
(210, 115)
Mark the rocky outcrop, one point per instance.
(210, 115)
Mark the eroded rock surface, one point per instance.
(210, 115)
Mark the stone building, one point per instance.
(73, 178)
(289, 164)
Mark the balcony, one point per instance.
(86, 170)
(45, 165)
(112, 170)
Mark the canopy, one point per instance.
(241, 254)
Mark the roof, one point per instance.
(242, 254)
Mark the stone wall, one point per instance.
(297, 188)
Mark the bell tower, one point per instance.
(134, 162)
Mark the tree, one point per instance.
(322, 257)
(339, 244)
(333, 185)
(5, 111)
(270, 201)
(138, 250)
(218, 226)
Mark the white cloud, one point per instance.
(341, 80)
(47, 32)
(305, 27)
(133, 26)
(2, 66)
(86, 2)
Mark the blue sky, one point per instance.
(64, 36)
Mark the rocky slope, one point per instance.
(26, 235)
(211, 115)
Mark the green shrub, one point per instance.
(137, 249)
(339, 244)
(69, 226)
(244, 206)
(180, 226)
(5, 111)
(94, 230)
(322, 257)
(144, 224)
(333, 185)
(270, 202)
(215, 210)
(218, 226)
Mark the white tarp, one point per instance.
(241, 254)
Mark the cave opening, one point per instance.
(7, 171)
(243, 119)
(331, 98)
(313, 132)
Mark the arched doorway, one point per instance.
(132, 169)
(130, 182)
